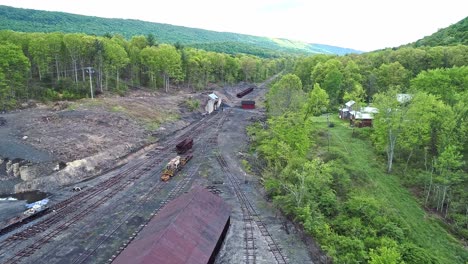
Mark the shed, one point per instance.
(362, 119)
(190, 229)
(210, 106)
(213, 103)
(344, 113)
(247, 104)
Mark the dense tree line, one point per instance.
(65, 66)
(423, 140)
(28, 20)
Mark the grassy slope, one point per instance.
(423, 230)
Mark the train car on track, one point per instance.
(248, 104)
(173, 166)
(245, 92)
(184, 145)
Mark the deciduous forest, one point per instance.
(353, 188)
(52, 66)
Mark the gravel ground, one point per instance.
(233, 146)
(12, 146)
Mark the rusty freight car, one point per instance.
(244, 92)
(184, 145)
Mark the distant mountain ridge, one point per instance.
(29, 20)
(451, 35)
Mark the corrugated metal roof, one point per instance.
(369, 109)
(350, 103)
(360, 115)
(187, 230)
(213, 96)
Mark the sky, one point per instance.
(364, 25)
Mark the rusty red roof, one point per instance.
(187, 230)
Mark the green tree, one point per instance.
(446, 83)
(115, 59)
(41, 53)
(285, 95)
(169, 63)
(14, 67)
(317, 102)
(73, 44)
(388, 123)
(357, 94)
(330, 78)
(447, 164)
(304, 66)
(248, 66)
(385, 255)
(393, 74)
(428, 124)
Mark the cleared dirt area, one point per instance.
(96, 224)
(66, 142)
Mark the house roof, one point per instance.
(361, 115)
(186, 230)
(350, 103)
(369, 109)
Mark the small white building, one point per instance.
(345, 111)
(214, 102)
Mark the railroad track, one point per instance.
(174, 193)
(250, 219)
(75, 208)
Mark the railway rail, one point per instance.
(250, 217)
(75, 208)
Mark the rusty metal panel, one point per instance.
(187, 230)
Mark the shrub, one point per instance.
(192, 104)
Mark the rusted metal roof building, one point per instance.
(190, 229)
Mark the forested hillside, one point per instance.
(452, 35)
(27, 20)
(391, 193)
(54, 66)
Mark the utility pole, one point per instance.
(90, 70)
(328, 131)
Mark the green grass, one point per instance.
(370, 178)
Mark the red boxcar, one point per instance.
(248, 104)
